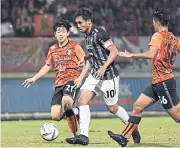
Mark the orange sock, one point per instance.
(72, 121)
(129, 130)
(131, 126)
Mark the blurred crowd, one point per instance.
(120, 17)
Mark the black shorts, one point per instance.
(165, 91)
(65, 90)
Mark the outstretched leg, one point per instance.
(85, 98)
(142, 102)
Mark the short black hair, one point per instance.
(86, 13)
(62, 23)
(162, 16)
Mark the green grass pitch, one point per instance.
(155, 132)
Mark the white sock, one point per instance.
(84, 120)
(122, 114)
(75, 110)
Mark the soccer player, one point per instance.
(162, 50)
(64, 57)
(103, 76)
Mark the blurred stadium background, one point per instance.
(26, 35)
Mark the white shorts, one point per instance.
(108, 88)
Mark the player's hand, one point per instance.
(125, 54)
(100, 72)
(28, 82)
(81, 63)
(77, 82)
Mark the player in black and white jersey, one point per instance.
(103, 76)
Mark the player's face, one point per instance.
(83, 25)
(155, 25)
(61, 34)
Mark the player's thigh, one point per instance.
(110, 90)
(88, 90)
(168, 97)
(56, 110)
(141, 103)
(166, 91)
(57, 96)
(86, 96)
(147, 98)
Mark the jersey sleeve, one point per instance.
(79, 52)
(156, 40)
(178, 46)
(49, 59)
(104, 39)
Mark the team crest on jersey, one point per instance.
(68, 51)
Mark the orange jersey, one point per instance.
(65, 61)
(162, 64)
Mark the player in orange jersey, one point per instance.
(64, 57)
(162, 50)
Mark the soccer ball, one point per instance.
(49, 131)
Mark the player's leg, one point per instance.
(86, 95)
(67, 103)
(124, 117)
(111, 98)
(88, 92)
(69, 97)
(56, 112)
(145, 99)
(84, 119)
(56, 109)
(110, 90)
(174, 112)
(168, 97)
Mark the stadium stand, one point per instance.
(120, 17)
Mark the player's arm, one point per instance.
(81, 57)
(112, 56)
(149, 54)
(45, 69)
(105, 40)
(154, 46)
(109, 45)
(84, 70)
(178, 47)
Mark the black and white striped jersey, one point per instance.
(97, 43)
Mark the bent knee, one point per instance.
(55, 117)
(177, 119)
(56, 112)
(113, 109)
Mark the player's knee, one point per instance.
(137, 108)
(113, 109)
(55, 116)
(177, 119)
(67, 102)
